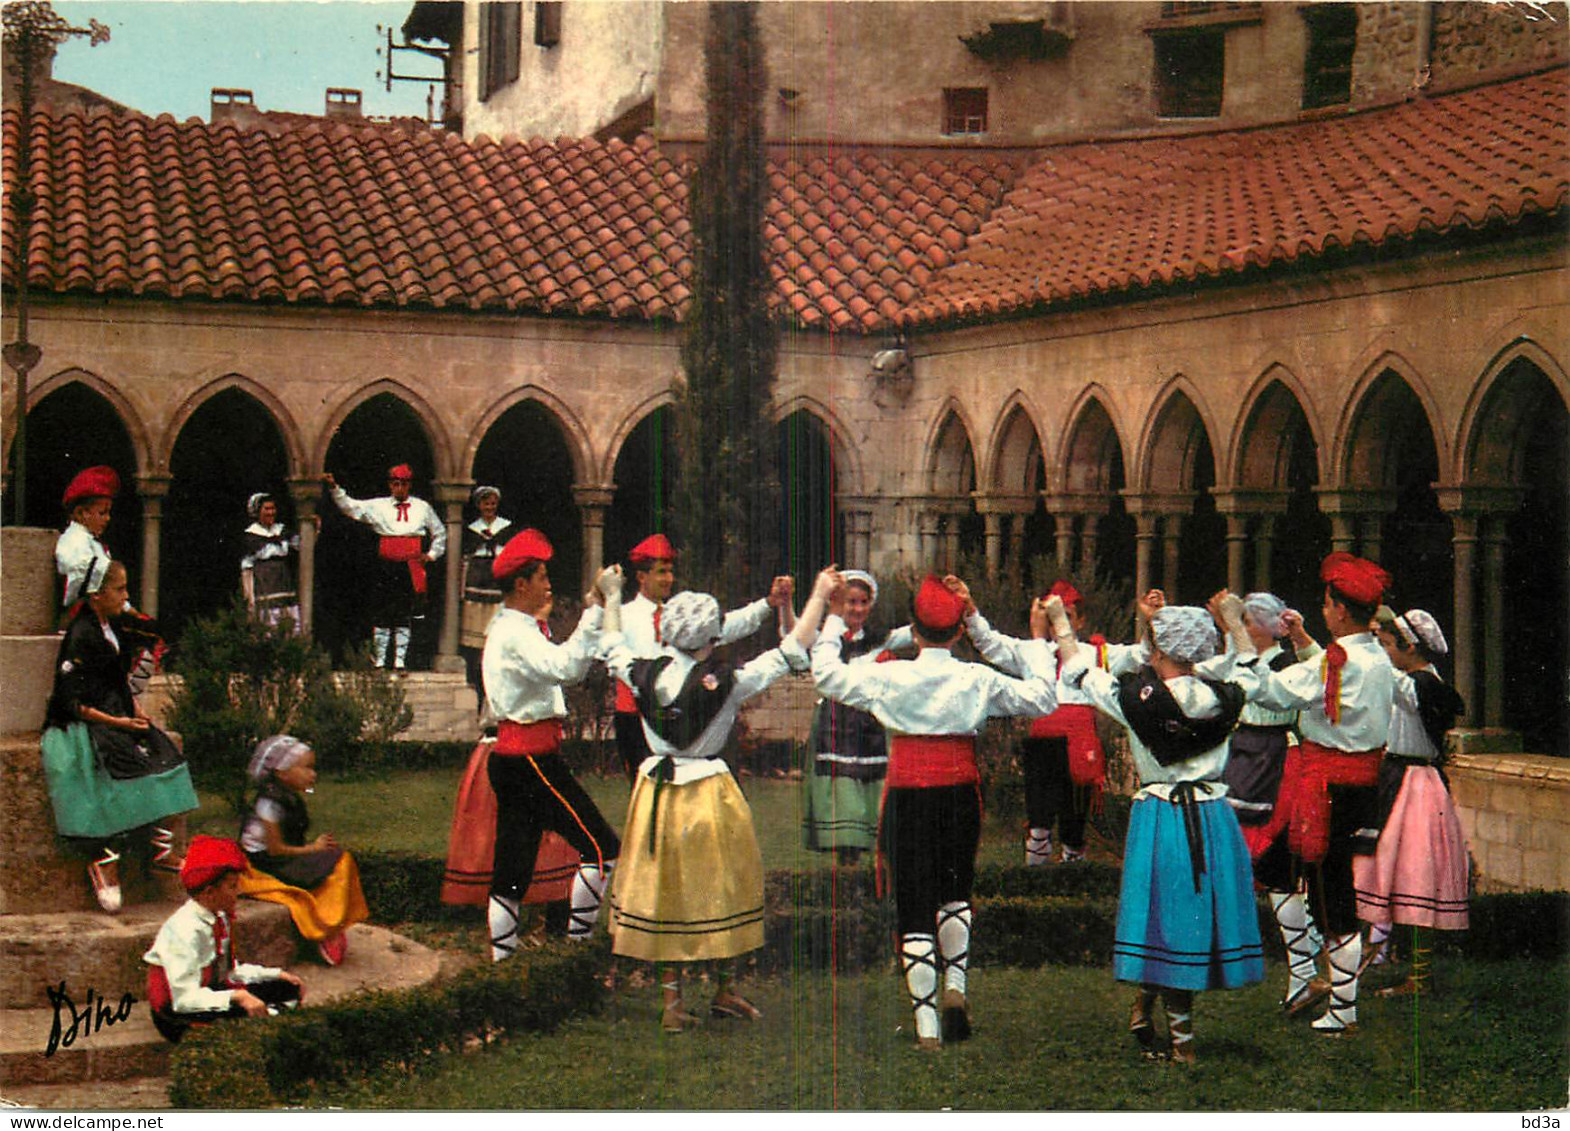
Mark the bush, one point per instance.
(253, 1064)
(242, 680)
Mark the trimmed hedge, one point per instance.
(260, 1064)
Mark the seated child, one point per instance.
(194, 979)
(317, 880)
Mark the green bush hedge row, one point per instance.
(260, 1064)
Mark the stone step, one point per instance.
(88, 949)
(27, 667)
(132, 1049)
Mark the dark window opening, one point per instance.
(965, 110)
(1327, 65)
(501, 32)
(547, 23)
(1190, 70)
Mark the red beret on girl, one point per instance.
(91, 483)
(526, 545)
(208, 858)
(1356, 579)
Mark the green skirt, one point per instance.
(841, 813)
(89, 803)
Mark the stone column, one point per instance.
(1237, 550)
(1063, 534)
(857, 551)
(1016, 550)
(929, 538)
(1089, 540)
(1464, 541)
(1494, 620)
(451, 495)
(1144, 551)
(951, 540)
(1346, 506)
(151, 490)
(1264, 545)
(1373, 536)
(1343, 532)
(994, 521)
(593, 502)
(1171, 536)
(997, 511)
(306, 493)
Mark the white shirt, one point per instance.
(524, 672)
(1407, 736)
(1002, 651)
(1367, 685)
(1255, 714)
(934, 693)
(1196, 700)
(381, 515)
(637, 626)
(185, 947)
(698, 761)
(76, 553)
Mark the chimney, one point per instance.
(231, 104)
(343, 102)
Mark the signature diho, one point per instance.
(95, 1014)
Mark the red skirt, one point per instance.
(471, 847)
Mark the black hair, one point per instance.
(931, 633)
(526, 569)
(1357, 610)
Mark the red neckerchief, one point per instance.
(545, 628)
(1335, 660)
(657, 638)
(403, 511)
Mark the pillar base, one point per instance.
(1483, 740)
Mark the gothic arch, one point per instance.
(1092, 435)
(1176, 430)
(624, 429)
(847, 459)
(288, 430)
(1490, 445)
(1009, 447)
(1255, 460)
(441, 443)
(572, 429)
(951, 453)
(130, 419)
(1374, 423)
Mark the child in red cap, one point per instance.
(194, 979)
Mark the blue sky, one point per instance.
(165, 56)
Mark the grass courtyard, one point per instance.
(1496, 1035)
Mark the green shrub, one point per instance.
(258, 1064)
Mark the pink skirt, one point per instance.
(1418, 875)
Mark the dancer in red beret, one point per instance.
(535, 791)
(653, 563)
(80, 555)
(195, 979)
(1328, 805)
(411, 537)
(932, 708)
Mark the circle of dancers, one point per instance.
(1266, 761)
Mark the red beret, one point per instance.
(209, 857)
(1064, 590)
(400, 471)
(1356, 579)
(654, 548)
(527, 545)
(936, 605)
(92, 483)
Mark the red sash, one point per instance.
(925, 761)
(405, 548)
(625, 703)
(1303, 805)
(1076, 722)
(543, 737)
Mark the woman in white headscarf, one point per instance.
(849, 750)
(482, 541)
(267, 570)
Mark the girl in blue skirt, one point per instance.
(1186, 916)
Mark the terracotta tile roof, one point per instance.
(345, 214)
(1114, 216)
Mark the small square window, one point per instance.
(965, 110)
(1327, 65)
(547, 23)
(1190, 71)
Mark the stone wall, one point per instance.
(1391, 51)
(1475, 39)
(1515, 810)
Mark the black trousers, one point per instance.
(1331, 896)
(275, 991)
(630, 742)
(534, 793)
(930, 837)
(1050, 793)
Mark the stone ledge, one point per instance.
(1538, 767)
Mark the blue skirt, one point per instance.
(1170, 935)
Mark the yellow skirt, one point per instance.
(333, 906)
(699, 893)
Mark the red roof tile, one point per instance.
(1113, 216)
(348, 214)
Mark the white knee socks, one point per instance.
(954, 943)
(502, 915)
(379, 638)
(918, 954)
(1038, 847)
(1292, 916)
(588, 889)
(1346, 953)
(400, 646)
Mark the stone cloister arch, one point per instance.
(1275, 470)
(1089, 492)
(812, 520)
(643, 471)
(1017, 525)
(949, 526)
(1177, 473)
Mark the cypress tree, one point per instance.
(728, 497)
